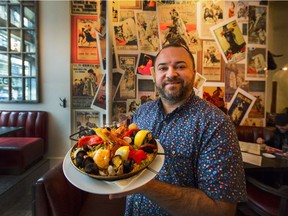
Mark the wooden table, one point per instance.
(5, 130)
(279, 162)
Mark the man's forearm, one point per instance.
(185, 201)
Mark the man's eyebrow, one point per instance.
(178, 62)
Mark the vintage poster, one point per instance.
(214, 93)
(85, 120)
(178, 24)
(127, 61)
(99, 101)
(127, 87)
(256, 64)
(240, 106)
(132, 106)
(211, 13)
(89, 7)
(242, 11)
(115, 11)
(211, 61)
(85, 81)
(257, 89)
(125, 32)
(131, 4)
(230, 40)
(257, 25)
(146, 90)
(148, 35)
(84, 48)
(119, 111)
(149, 5)
(146, 61)
(199, 81)
(234, 78)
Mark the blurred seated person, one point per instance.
(281, 133)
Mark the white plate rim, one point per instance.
(268, 155)
(92, 185)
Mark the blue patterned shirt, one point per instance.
(207, 154)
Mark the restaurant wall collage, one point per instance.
(228, 40)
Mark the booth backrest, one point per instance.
(251, 133)
(35, 123)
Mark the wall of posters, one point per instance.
(228, 40)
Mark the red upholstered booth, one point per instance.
(22, 149)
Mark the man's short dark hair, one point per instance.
(178, 45)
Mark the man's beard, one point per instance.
(174, 96)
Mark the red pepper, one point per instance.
(129, 132)
(89, 140)
(137, 155)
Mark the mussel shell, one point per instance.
(81, 153)
(91, 168)
(79, 161)
(87, 160)
(128, 166)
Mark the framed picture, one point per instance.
(211, 13)
(90, 7)
(128, 61)
(199, 81)
(214, 93)
(85, 119)
(230, 40)
(146, 90)
(234, 78)
(144, 64)
(131, 4)
(86, 79)
(148, 35)
(210, 61)
(240, 106)
(99, 101)
(256, 64)
(257, 25)
(84, 40)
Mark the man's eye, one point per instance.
(162, 69)
(180, 66)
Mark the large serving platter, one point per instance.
(97, 186)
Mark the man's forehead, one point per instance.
(167, 55)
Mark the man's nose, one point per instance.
(171, 72)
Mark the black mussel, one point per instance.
(79, 161)
(80, 157)
(148, 149)
(87, 161)
(153, 141)
(81, 153)
(128, 166)
(91, 168)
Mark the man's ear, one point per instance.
(152, 70)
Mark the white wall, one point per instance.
(54, 42)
